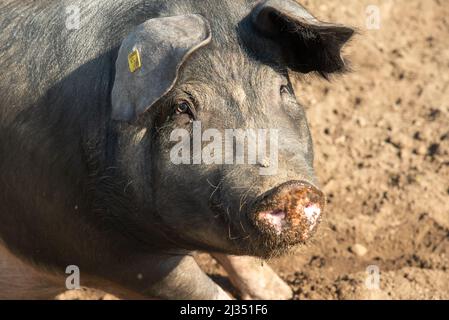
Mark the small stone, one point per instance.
(340, 140)
(359, 250)
(421, 150)
(264, 163)
(361, 121)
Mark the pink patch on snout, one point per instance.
(275, 219)
(312, 213)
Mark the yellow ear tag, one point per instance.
(134, 61)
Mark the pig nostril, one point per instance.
(275, 219)
(312, 213)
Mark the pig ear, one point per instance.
(149, 60)
(307, 44)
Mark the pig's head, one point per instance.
(181, 82)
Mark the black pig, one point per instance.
(94, 97)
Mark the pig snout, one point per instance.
(290, 211)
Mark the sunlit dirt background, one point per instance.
(381, 138)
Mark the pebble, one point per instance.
(340, 140)
(359, 250)
(421, 150)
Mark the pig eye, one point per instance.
(285, 90)
(183, 107)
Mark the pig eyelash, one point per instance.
(192, 102)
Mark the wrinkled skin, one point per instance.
(209, 208)
(78, 188)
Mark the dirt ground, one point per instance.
(381, 138)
